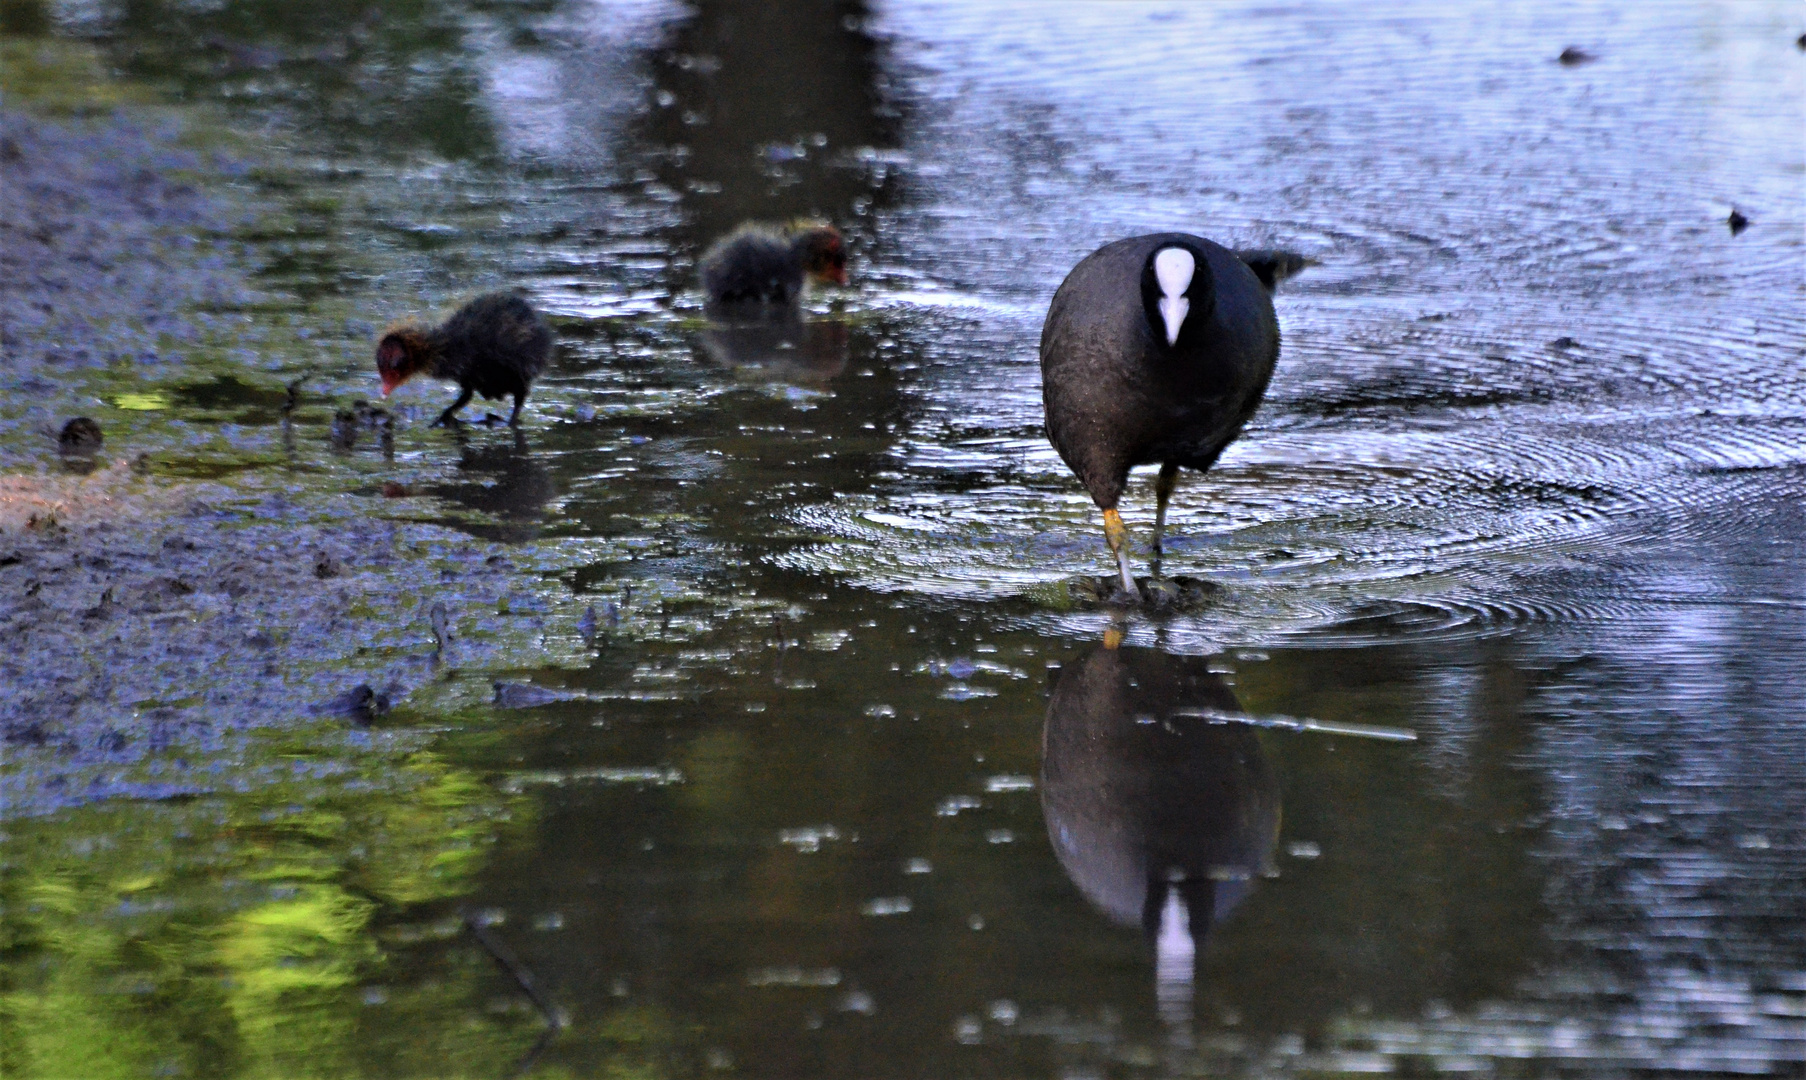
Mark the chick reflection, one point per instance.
(1159, 820)
(502, 480)
(794, 351)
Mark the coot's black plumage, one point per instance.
(759, 272)
(1156, 350)
(495, 345)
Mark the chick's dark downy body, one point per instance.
(757, 271)
(495, 345)
(1143, 370)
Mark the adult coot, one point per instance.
(1156, 350)
(495, 345)
(759, 272)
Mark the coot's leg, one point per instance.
(519, 400)
(1118, 535)
(1163, 490)
(450, 415)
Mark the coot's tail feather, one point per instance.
(1273, 266)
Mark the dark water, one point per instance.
(846, 781)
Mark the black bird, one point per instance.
(1156, 350)
(759, 272)
(495, 345)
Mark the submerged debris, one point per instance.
(442, 634)
(362, 416)
(1171, 594)
(79, 436)
(362, 704)
(526, 695)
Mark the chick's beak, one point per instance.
(390, 382)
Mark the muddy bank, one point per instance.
(147, 616)
(156, 620)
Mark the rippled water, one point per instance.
(847, 783)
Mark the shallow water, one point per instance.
(844, 781)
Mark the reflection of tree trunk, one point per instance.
(752, 102)
(24, 17)
(337, 62)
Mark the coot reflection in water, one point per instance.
(500, 480)
(1162, 821)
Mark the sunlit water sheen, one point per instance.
(1529, 482)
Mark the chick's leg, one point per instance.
(450, 415)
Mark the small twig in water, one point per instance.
(1297, 723)
(517, 971)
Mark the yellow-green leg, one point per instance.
(1118, 535)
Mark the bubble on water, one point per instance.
(918, 866)
(810, 839)
(1004, 1011)
(886, 905)
(793, 976)
(953, 804)
(1303, 849)
(960, 691)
